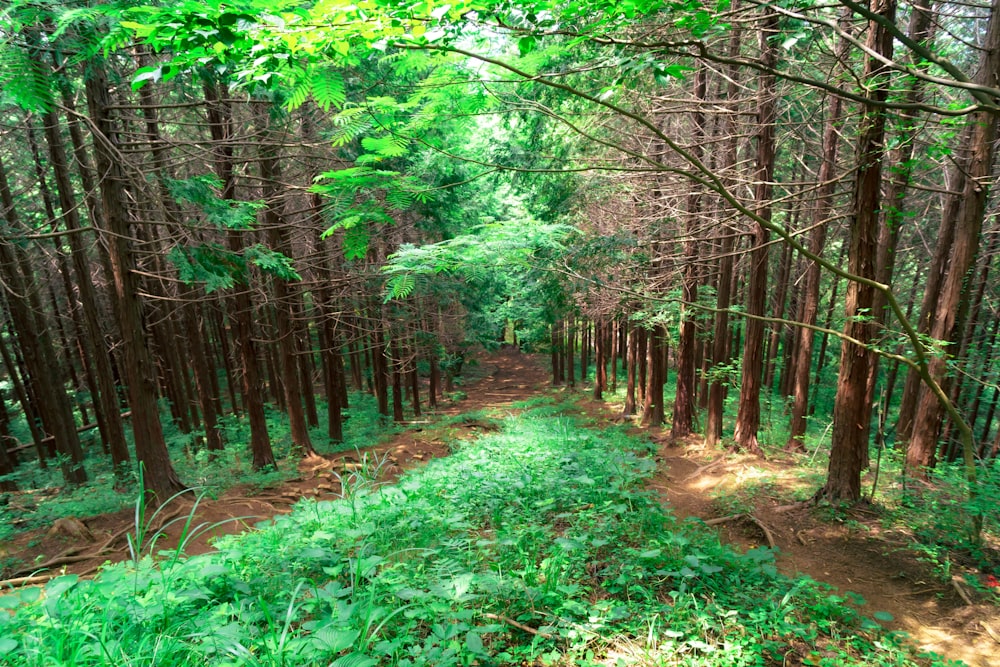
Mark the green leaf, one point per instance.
(271, 262)
(209, 264)
(202, 192)
(354, 660)
(389, 146)
(328, 88)
(400, 286)
(299, 94)
(7, 645)
(356, 240)
(334, 640)
(474, 643)
(25, 79)
(146, 75)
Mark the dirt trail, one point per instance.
(75, 547)
(855, 555)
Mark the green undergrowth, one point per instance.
(537, 544)
(195, 465)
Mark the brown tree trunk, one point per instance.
(613, 358)
(901, 163)
(414, 379)
(286, 297)
(554, 354)
(631, 364)
(653, 412)
(778, 310)
(851, 413)
(380, 370)
(195, 329)
(723, 289)
(977, 164)
(397, 383)
(600, 377)
(35, 343)
(748, 413)
(159, 478)
(434, 382)
(817, 240)
(570, 353)
(107, 394)
(26, 401)
(8, 460)
(239, 304)
(221, 352)
(683, 416)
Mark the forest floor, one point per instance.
(853, 554)
(72, 546)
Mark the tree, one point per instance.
(159, 477)
(748, 417)
(977, 165)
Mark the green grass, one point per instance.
(534, 545)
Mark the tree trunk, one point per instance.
(653, 412)
(286, 297)
(629, 409)
(600, 377)
(900, 160)
(683, 416)
(159, 478)
(851, 413)
(723, 289)
(570, 354)
(395, 363)
(748, 413)
(239, 304)
(977, 164)
(817, 240)
(107, 393)
(27, 403)
(778, 309)
(195, 328)
(380, 371)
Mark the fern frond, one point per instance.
(388, 146)
(399, 199)
(298, 96)
(399, 286)
(328, 87)
(350, 123)
(356, 240)
(25, 79)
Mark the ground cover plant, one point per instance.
(534, 544)
(45, 501)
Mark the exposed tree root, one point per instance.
(743, 515)
(519, 626)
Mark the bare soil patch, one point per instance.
(82, 546)
(854, 554)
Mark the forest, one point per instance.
(239, 239)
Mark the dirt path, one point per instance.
(855, 555)
(75, 547)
